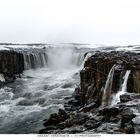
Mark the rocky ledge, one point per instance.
(11, 64)
(121, 118)
(89, 110)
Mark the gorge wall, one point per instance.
(105, 77)
(107, 99)
(11, 63)
(96, 70)
(14, 61)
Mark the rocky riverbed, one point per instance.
(107, 99)
(41, 86)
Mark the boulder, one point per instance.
(128, 97)
(57, 118)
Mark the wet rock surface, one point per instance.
(11, 63)
(97, 68)
(119, 119)
(85, 111)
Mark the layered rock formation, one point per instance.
(120, 119)
(90, 109)
(11, 63)
(97, 69)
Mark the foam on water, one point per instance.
(123, 90)
(29, 97)
(28, 101)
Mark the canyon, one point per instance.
(107, 99)
(70, 88)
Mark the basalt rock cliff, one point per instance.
(96, 71)
(11, 63)
(90, 109)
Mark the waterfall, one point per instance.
(56, 58)
(108, 87)
(85, 59)
(77, 58)
(123, 89)
(42, 94)
(124, 85)
(34, 60)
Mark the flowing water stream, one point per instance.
(40, 92)
(49, 78)
(108, 87)
(122, 90)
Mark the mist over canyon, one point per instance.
(69, 88)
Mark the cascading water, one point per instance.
(85, 59)
(34, 60)
(123, 90)
(41, 92)
(124, 85)
(108, 87)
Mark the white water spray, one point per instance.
(63, 58)
(108, 86)
(85, 59)
(116, 98)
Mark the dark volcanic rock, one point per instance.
(88, 107)
(128, 97)
(87, 115)
(11, 63)
(127, 116)
(10, 78)
(109, 128)
(96, 69)
(57, 118)
(110, 111)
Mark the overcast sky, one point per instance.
(85, 21)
